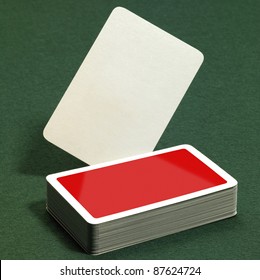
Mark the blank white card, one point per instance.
(125, 92)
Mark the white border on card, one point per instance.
(52, 179)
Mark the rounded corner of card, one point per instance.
(186, 147)
(119, 9)
(234, 181)
(201, 56)
(49, 178)
(45, 133)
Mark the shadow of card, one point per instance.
(42, 158)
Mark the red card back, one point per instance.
(120, 187)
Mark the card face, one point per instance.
(125, 92)
(108, 191)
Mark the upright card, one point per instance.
(125, 92)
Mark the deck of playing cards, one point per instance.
(124, 202)
(112, 116)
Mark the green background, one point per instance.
(42, 44)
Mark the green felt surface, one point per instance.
(42, 44)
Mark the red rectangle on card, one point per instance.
(119, 187)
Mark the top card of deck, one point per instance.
(125, 92)
(125, 187)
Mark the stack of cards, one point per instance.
(112, 205)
